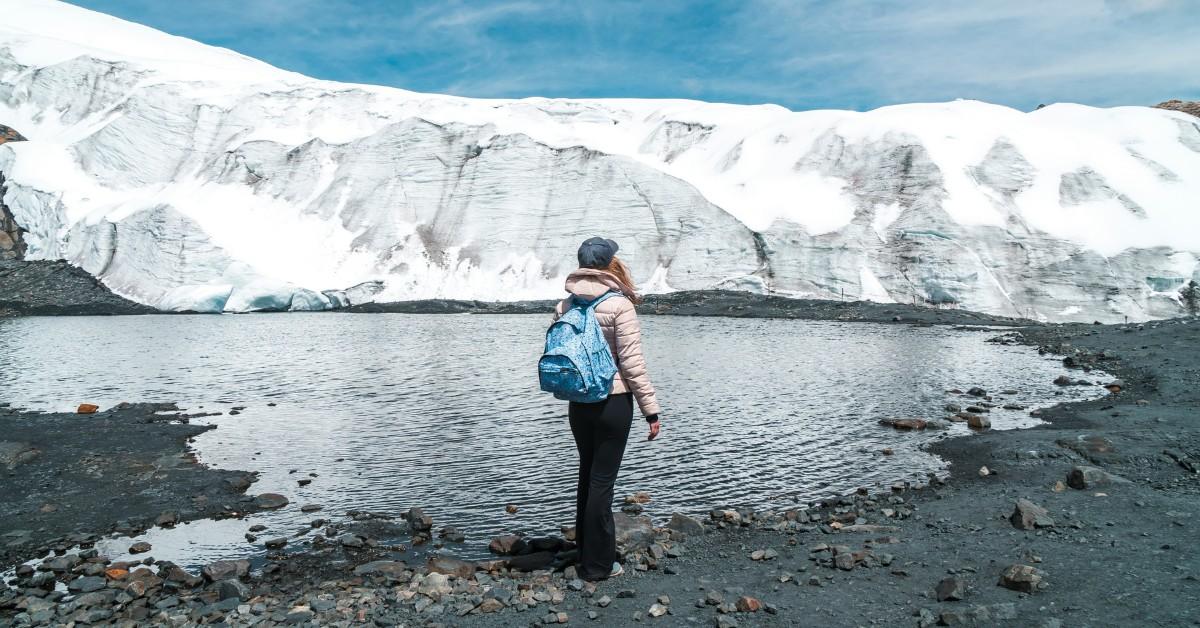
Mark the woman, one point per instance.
(601, 429)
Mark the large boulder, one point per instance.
(685, 524)
(633, 532)
(1029, 516)
(1083, 477)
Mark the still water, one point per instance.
(443, 411)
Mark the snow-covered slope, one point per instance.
(191, 177)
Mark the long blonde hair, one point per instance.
(618, 269)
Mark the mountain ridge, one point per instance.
(204, 180)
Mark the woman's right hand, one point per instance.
(654, 429)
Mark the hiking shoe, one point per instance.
(617, 570)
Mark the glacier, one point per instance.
(189, 177)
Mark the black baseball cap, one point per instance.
(596, 252)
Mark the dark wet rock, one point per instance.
(1084, 477)
(1063, 380)
(532, 561)
(452, 535)
(141, 547)
(167, 519)
(905, 424)
(976, 391)
(225, 570)
(418, 521)
(951, 589)
(1027, 515)
(1023, 578)
(503, 545)
(685, 524)
(979, 422)
(232, 590)
(276, 543)
(270, 501)
(311, 508)
(87, 584)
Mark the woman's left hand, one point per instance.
(654, 430)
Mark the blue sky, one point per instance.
(803, 54)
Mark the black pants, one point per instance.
(600, 430)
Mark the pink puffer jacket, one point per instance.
(619, 321)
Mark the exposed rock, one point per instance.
(232, 590)
(277, 543)
(1084, 477)
(418, 521)
(633, 533)
(87, 408)
(270, 501)
(1029, 516)
(503, 545)
(685, 524)
(747, 604)
(979, 422)
(450, 566)
(1186, 106)
(951, 589)
(141, 547)
(225, 570)
(1023, 578)
(905, 424)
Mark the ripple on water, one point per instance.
(443, 412)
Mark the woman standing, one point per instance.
(601, 429)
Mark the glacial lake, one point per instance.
(443, 411)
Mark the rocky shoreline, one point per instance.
(1087, 520)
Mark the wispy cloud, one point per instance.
(798, 53)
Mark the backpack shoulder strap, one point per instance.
(594, 302)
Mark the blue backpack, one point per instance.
(577, 364)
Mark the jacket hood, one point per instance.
(589, 283)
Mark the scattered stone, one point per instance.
(978, 422)
(87, 584)
(640, 497)
(87, 408)
(1029, 516)
(232, 590)
(503, 545)
(905, 424)
(747, 604)
(1115, 386)
(657, 610)
(418, 521)
(225, 570)
(685, 524)
(951, 589)
(984, 471)
(275, 544)
(976, 391)
(767, 554)
(633, 532)
(450, 566)
(511, 509)
(1022, 578)
(1085, 477)
(311, 507)
(381, 568)
(141, 547)
(270, 501)
(167, 519)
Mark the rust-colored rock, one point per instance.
(1186, 106)
(87, 408)
(747, 604)
(116, 574)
